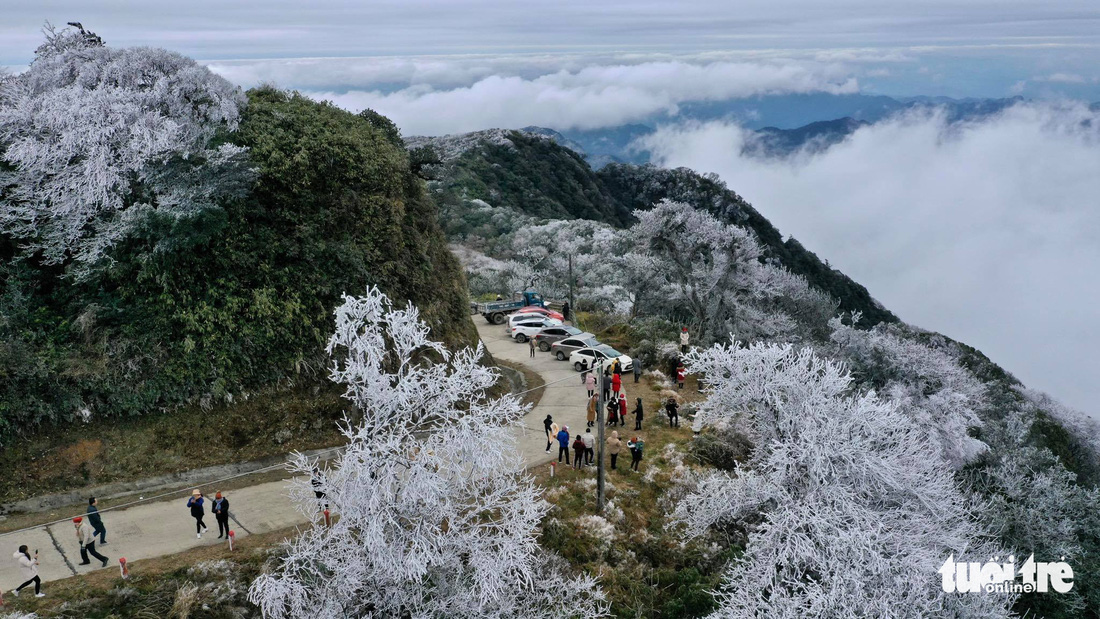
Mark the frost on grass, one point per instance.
(434, 514)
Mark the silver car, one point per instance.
(565, 347)
(557, 333)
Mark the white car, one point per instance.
(586, 358)
(523, 329)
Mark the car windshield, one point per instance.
(609, 351)
(573, 331)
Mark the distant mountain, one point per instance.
(817, 136)
(784, 124)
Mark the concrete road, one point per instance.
(166, 527)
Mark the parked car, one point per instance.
(586, 358)
(521, 330)
(540, 310)
(556, 333)
(563, 348)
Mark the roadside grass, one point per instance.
(109, 450)
(645, 567)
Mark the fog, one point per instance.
(988, 232)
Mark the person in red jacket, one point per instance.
(616, 383)
(680, 373)
(622, 410)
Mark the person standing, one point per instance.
(622, 409)
(637, 368)
(612, 411)
(638, 413)
(680, 375)
(684, 338)
(197, 512)
(616, 384)
(606, 383)
(531, 345)
(96, 521)
(578, 452)
(590, 415)
(85, 534)
(635, 446)
(548, 423)
(673, 411)
(590, 383)
(565, 311)
(614, 446)
(28, 565)
(220, 509)
(563, 444)
(617, 368)
(589, 447)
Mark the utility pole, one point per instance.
(572, 305)
(600, 440)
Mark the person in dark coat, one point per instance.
(606, 384)
(612, 410)
(220, 509)
(565, 310)
(638, 412)
(563, 444)
(637, 370)
(197, 512)
(578, 452)
(635, 446)
(548, 423)
(673, 411)
(96, 521)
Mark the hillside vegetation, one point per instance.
(213, 302)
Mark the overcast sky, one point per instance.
(987, 233)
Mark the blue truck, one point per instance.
(496, 312)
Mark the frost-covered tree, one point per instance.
(927, 381)
(713, 268)
(434, 516)
(95, 138)
(856, 509)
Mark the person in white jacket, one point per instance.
(684, 338)
(29, 566)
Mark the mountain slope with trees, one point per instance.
(174, 291)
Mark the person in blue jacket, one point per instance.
(563, 444)
(195, 503)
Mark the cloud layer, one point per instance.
(986, 232)
(595, 96)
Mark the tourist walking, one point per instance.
(85, 534)
(614, 446)
(197, 512)
(590, 383)
(563, 444)
(591, 412)
(96, 521)
(578, 452)
(635, 446)
(673, 411)
(318, 483)
(548, 423)
(684, 338)
(589, 446)
(638, 413)
(28, 565)
(220, 509)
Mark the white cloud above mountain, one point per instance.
(984, 231)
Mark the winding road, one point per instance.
(165, 527)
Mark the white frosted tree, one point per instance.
(434, 515)
(856, 509)
(96, 137)
(713, 268)
(932, 389)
